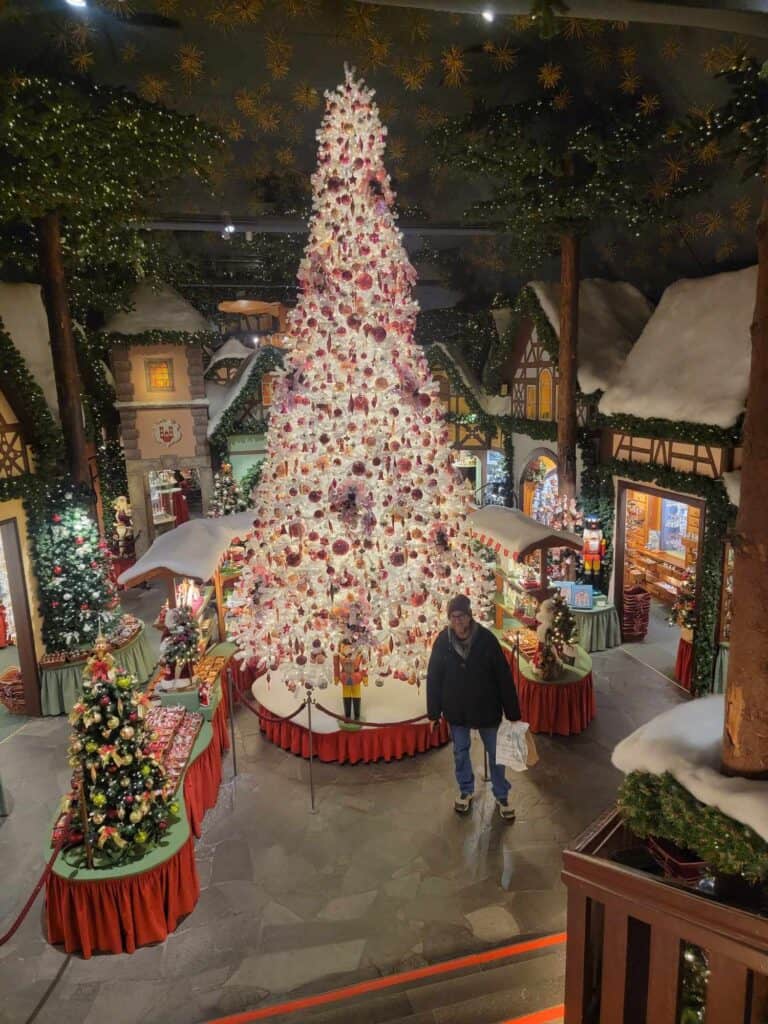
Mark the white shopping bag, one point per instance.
(512, 746)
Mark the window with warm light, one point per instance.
(530, 401)
(545, 395)
(159, 374)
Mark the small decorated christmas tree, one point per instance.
(564, 630)
(78, 596)
(227, 496)
(125, 803)
(683, 613)
(179, 647)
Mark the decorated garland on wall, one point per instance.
(657, 805)
(268, 359)
(525, 307)
(672, 430)
(718, 519)
(472, 332)
(163, 338)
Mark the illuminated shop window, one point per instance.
(159, 374)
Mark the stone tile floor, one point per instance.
(383, 877)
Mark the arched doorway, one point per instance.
(538, 483)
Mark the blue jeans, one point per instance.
(462, 738)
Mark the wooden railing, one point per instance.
(626, 931)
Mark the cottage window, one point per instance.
(545, 395)
(159, 374)
(530, 401)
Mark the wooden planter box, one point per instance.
(626, 930)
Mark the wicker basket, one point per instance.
(12, 692)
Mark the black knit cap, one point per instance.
(460, 603)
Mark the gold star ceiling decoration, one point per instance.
(741, 210)
(630, 83)
(549, 75)
(189, 62)
(562, 100)
(455, 72)
(153, 88)
(711, 222)
(306, 96)
(128, 53)
(648, 104)
(671, 50)
(503, 57)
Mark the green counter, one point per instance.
(569, 673)
(62, 685)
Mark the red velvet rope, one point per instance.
(33, 895)
(271, 716)
(376, 725)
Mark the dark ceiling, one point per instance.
(258, 69)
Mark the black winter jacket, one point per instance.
(472, 692)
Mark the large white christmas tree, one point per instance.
(360, 521)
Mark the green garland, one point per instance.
(268, 359)
(41, 431)
(160, 337)
(473, 333)
(538, 430)
(673, 430)
(717, 521)
(113, 476)
(657, 805)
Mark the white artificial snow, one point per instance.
(23, 315)
(220, 397)
(732, 481)
(192, 549)
(157, 309)
(494, 405)
(232, 348)
(612, 315)
(514, 530)
(687, 742)
(691, 363)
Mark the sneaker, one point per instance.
(506, 812)
(463, 802)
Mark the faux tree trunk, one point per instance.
(745, 740)
(68, 386)
(567, 355)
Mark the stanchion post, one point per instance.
(310, 701)
(231, 699)
(486, 774)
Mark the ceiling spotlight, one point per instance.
(229, 229)
(488, 15)
(77, 3)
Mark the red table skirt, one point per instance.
(562, 708)
(119, 915)
(202, 780)
(385, 744)
(243, 678)
(684, 664)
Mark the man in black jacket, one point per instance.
(470, 683)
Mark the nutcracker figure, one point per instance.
(350, 673)
(593, 546)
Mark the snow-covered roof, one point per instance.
(25, 321)
(611, 316)
(517, 533)
(221, 396)
(495, 405)
(192, 549)
(158, 308)
(232, 348)
(732, 481)
(691, 363)
(687, 742)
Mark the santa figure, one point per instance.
(593, 546)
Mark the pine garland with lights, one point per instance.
(77, 594)
(657, 805)
(128, 811)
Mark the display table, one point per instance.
(116, 910)
(62, 685)
(564, 706)
(598, 627)
(684, 664)
(388, 743)
(721, 668)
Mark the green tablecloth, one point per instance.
(61, 686)
(598, 627)
(581, 667)
(721, 669)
